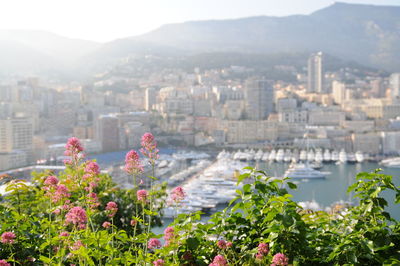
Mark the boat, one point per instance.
(288, 156)
(391, 162)
(303, 171)
(342, 156)
(265, 156)
(272, 155)
(310, 155)
(335, 156)
(351, 158)
(295, 156)
(258, 155)
(279, 155)
(318, 156)
(327, 156)
(303, 155)
(359, 157)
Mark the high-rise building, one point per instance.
(395, 86)
(338, 92)
(16, 134)
(107, 132)
(260, 98)
(315, 74)
(149, 98)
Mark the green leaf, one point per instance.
(291, 185)
(192, 243)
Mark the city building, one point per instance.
(260, 98)
(315, 74)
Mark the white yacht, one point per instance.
(343, 156)
(272, 155)
(279, 155)
(303, 155)
(295, 156)
(310, 156)
(351, 158)
(237, 155)
(258, 155)
(318, 156)
(303, 171)
(359, 157)
(288, 156)
(265, 156)
(391, 162)
(327, 156)
(335, 156)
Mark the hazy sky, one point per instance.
(104, 20)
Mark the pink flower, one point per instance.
(177, 194)
(76, 216)
(169, 234)
(133, 222)
(64, 234)
(263, 248)
(106, 224)
(221, 244)
(73, 146)
(57, 211)
(51, 181)
(133, 165)
(259, 256)
(153, 243)
(219, 260)
(4, 263)
(142, 195)
(229, 244)
(60, 193)
(149, 147)
(77, 245)
(280, 259)
(158, 262)
(92, 168)
(93, 200)
(112, 207)
(7, 238)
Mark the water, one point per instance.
(324, 191)
(334, 187)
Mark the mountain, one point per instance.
(38, 52)
(368, 34)
(365, 34)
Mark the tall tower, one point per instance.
(260, 98)
(395, 86)
(315, 74)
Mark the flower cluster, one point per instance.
(4, 263)
(106, 225)
(177, 194)
(74, 149)
(7, 238)
(263, 250)
(149, 147)
(133, 166)
(279, 259)
(153, 243)
(51, 181)
(60, 193)
(142, 195)
(222, 244)
(219, 260)
(169, 234)
(76, 216)
(92, 168)
(93, 200)
(158, 262)
(111, 208)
